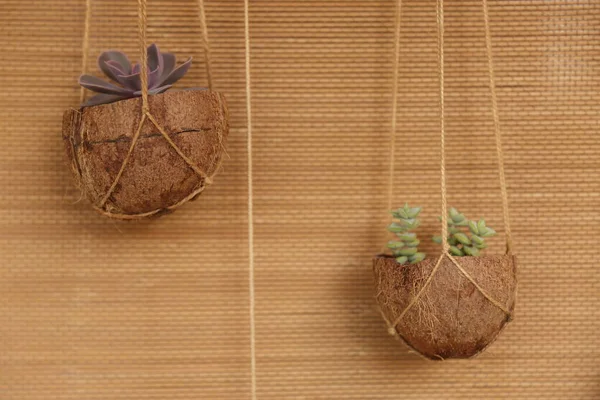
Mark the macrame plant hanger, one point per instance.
(146, 113)
(500, 156)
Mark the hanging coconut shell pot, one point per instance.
(161, 172)
(442, 311)
(137, 150)
(456, 304)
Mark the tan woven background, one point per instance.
(95, 309)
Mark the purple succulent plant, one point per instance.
(162, 74)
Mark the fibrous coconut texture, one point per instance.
(452, 318)
(156, 179)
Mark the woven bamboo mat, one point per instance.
(95, 309)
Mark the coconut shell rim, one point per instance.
(136, 98)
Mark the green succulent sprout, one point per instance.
(465, 237)
(405, 249)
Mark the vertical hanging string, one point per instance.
(250, 204)
(393, 124)
(392, 144)
(85, 45)
(440, 25)
(497, 131)
(143, 20)
(205, 42)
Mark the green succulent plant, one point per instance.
(465, 237)
(405, 249)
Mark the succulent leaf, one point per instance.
(470, 251)
(157, 90)
(456, 251)
(481, 225)
(473, 227)
(407, 251)
(489, 232)
(476, 239)
(169, 61)
(402, 259)
(407, 237)
(408, 221)
(102, 98)
(417, 257)
(132, 81)
(155, 58)
(395, 245)
(115, 69)
(177, 73)
(394, 227)
(100, 86)
(437, 239)
(402, 213)
(452, 212)
(455, 215)
(414, 212)
(462, 238)
(116, 57)
(414, 243)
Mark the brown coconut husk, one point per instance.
(452, 318)
(156, 178)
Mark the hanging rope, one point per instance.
(143, 21)
(85, 45)
(421, 292)
(392, 144)
(205, 42)
(497, 130)
(250, 204)
(393, 124)
(440, 52)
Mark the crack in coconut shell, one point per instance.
(148, 136)
(156, 178)
(451, 319)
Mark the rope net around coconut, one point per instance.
(420, 292)
(205, 179)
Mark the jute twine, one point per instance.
(147, 115)
(85, 45)
(500, 155)
(205, 42)
(393, 124)
(250, 204)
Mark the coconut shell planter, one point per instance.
(129, 164)
(450, 306)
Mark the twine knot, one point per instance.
(392, 331)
